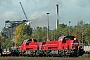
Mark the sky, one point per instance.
(69, 10)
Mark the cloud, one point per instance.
(41, 20)
(6, 3)
(9, 16)
(50, 5)
(36, 11)
(83, 3)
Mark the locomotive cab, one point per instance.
(70, 45)
(30, 40)
(71, 41)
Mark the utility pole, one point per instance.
(69, 28)
(57, 15)
(48, 27)
(82, 35)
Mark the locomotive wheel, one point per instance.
(75, 54)
(81, 52)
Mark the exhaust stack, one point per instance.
(57, 15)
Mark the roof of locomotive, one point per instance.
(66, 38)
(31, 39)
(25, 41)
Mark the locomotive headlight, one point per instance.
(74, 48)
(3, 53)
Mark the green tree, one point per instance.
(77, 34)
(78, 30)
(61, 30)
(22, 32)
(6, 43)
(1, 40)
(52, 34)
(44, 33)
(26, 30)
(18, 32)
(87, 33)
(37, 34)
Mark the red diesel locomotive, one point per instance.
(63, 46)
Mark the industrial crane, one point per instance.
(23, 10)
(27, 21)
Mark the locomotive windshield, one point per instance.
(69, 38)
(61, 38)
(29, 40)
(25, 41)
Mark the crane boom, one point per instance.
(23, 10)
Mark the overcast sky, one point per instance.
(69, 10)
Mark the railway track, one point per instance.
(85, 55)
(44, 58)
